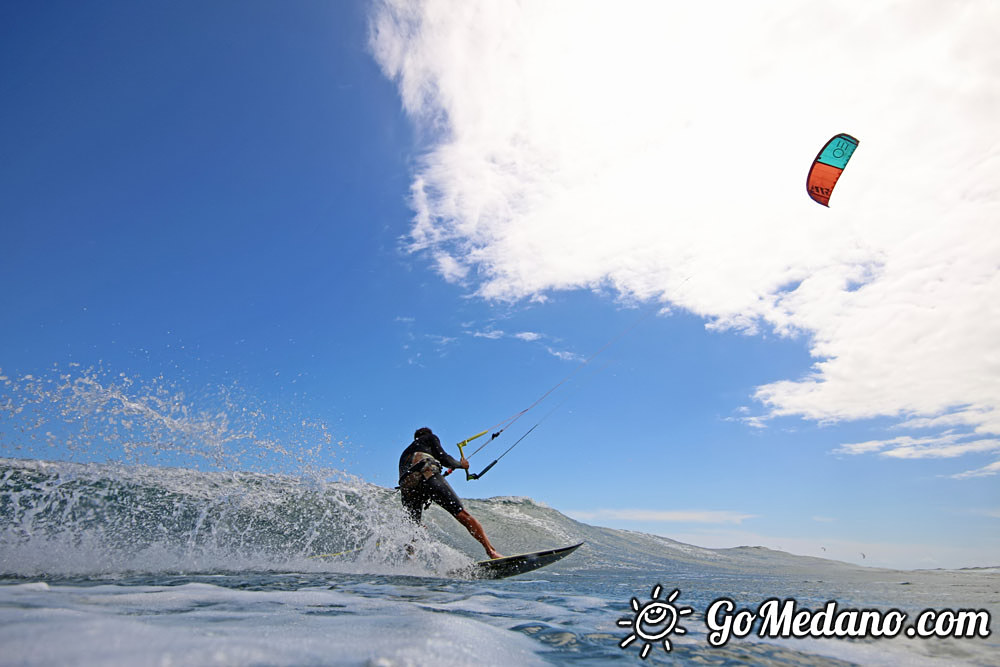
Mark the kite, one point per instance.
(828, 166)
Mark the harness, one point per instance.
(424, 467)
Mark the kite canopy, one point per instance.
(828, 166)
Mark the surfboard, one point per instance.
(501, 568)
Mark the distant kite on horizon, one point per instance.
(828, 166)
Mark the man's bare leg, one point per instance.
(476, 530)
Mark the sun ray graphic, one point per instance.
(654, 621)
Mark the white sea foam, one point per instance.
(206, 624)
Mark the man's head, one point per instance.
(421, 432)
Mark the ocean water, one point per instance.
(131, 564)
(171, 552)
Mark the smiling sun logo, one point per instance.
(654, 621)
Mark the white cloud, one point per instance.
(660, 149)
(985, 471)
(683, 516)
(527, 337)
(564, 355)
(943, 451)
(449, 268)
(441, 341)
(491, 334)
(948, 445)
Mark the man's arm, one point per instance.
(446, 459)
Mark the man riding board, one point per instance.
(421, 483)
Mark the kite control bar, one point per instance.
(471, 476)
(461, 453)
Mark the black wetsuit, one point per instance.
(434, 489)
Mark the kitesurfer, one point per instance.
(421, 483)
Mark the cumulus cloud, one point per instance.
(660, 150)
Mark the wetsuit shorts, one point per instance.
(436, 489)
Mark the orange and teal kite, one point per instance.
(828, 166)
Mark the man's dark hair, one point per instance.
(421, 432)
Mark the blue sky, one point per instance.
(381, 216)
